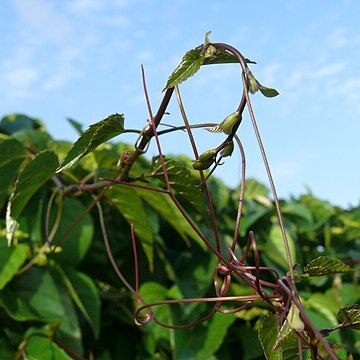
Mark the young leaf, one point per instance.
(95, 135)
(350, 316)
(268, 92)
(325, 266)
(190, 64)
(36, 173)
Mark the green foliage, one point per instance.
(59, 294)
(77, 242)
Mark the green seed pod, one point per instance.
(228, 149)
(209, 154)
(203, 165)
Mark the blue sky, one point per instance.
(81, 59)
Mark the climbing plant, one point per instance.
(105, 253)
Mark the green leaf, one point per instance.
(291, 323)
(223, 57)
(275, 247)
(203, 341)
(254, 86)
(326, 266)
(38, 295)
(40, 347)
(183, 182)
(130, 205)
(166, 208)
(39, 170)
(268, 334)
(268, 92)
(76, 125)
(350, 316)
(190, 64)
(76, 244)
(11, 259)
(34, 139)
(12, 154)
(36, 173)
(95, 135)
(85, 295)
(14, 122)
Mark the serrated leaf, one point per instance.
(268, 92)
(326, 266)
(190, 64)
(11, 259)
(95, 135)
(292, 322)
(350, 316)
(12, 154)
(36, 173)
(183, 182)
(268, 334)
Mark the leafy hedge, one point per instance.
(60, 297)
(105, 254)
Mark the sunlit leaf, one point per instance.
(190, 64)
(40, 347)
(12, 154)
(35, 174)
(11, 259)
(95, 135)
(325, 266)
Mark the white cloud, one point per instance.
(86, 5)
(328, 70)
(21, 77)
(41, 21)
